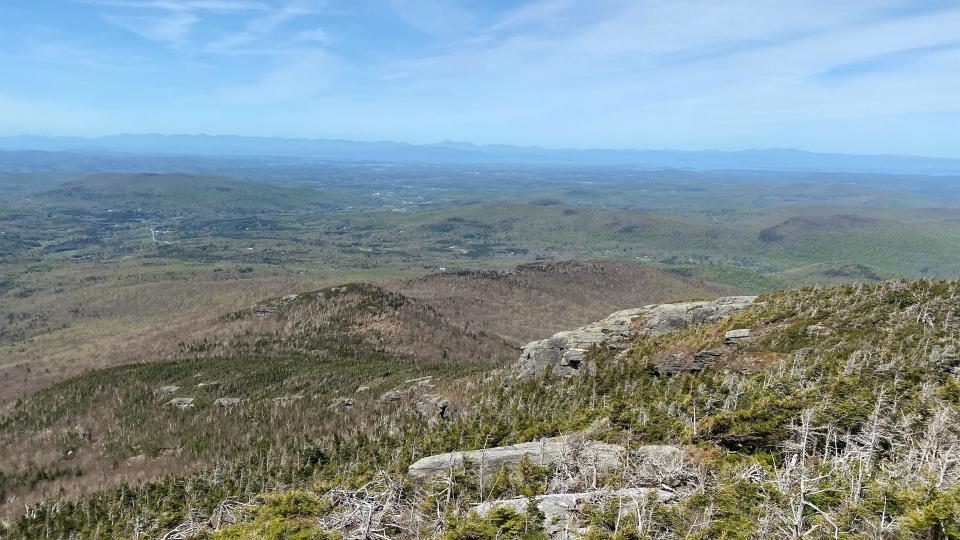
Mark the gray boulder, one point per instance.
(181, 402)
(565, 352)
(548, 451)
(733, 336)
(341, 404)
(435, 408)
(393, 395)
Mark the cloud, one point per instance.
(317, 35)
(276, 17)
(540, 13)
(301, 79)
(264, 26)
(437, 18)
(183, 5)
(652, 51)
(887, 61)
(170, 21)
(231, 42)
(171, 28)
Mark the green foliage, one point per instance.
(938, 517)
(279, 516)
(760, 425)
(501, 522)
(526, 480)
(737, 505)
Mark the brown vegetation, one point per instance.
(536, 300)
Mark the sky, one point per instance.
(855, 76)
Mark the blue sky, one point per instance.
(862, 76)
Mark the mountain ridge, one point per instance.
(465, 152)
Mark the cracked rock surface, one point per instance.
(565, 351)
(548, 451)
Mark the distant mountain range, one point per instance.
(461, 152)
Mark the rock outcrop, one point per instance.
(435, 408)
(181, 402)
(734, 336)
(565, 352)
(684, 361)
(603, 456)
(341, 404)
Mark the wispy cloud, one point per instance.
(288, 11)
(317, 35)
(183, 5)
(264, 26)
(888, 61)
(437, 18)
(169, 28)
(542, 13)
(300, 79)
(170, 21)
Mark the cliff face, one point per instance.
(565, 352)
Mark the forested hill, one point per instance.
(821, 412)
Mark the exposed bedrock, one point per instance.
(594, 454)
(565, 351)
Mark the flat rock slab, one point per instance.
(562, 511)
(565, 352)
(736, 335)
(604, 456)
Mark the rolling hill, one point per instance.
(177, 194)
(294, 364)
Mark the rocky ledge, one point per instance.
(596, 455)
(565, 351)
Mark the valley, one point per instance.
(163, 328)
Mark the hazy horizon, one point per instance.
(453, 143)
